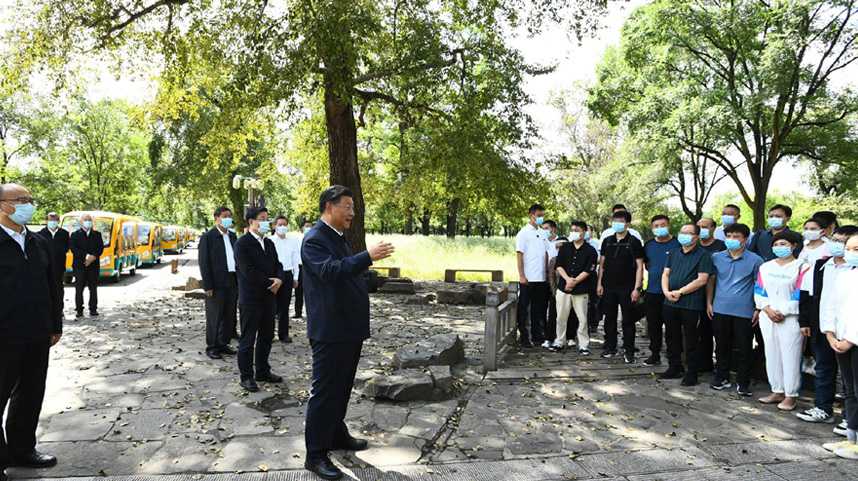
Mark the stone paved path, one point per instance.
(132, 396)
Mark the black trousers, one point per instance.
(532, 305)
(612, 301)
(299, 295)
(257, 332)
(284, 299)
(654, 305)
(59, 276)
(551, 324)
(86, 277)
(848, 362)
(594, 313)
(733, 335)
(682, 329)
(23, 370)
(221, 316)
(334, 368)
(705, 343)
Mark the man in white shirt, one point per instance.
(217, 269)
(289, 255)
(609, 231)
(531, 249)
(730, 214)
(553, 244)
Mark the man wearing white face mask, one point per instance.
(86, 245)
(259, 280)
(289, 254)
(217, 269)
(58, 240)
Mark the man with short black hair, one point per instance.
(730, 306)
(216, 258)
(656, 251)
(683, 281)
(259, 279)
(575, 268)
(778, 222)
(86, 245)
(552, 240)
(58, 241)
(730, 214)
(299, 291)
(609, 231)
(620, 281)
(288, 253)
(337, 325)
(531, 250)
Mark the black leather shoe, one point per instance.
(229, 351)
(353, 444)
(270, 377)
(249, 385)
(288, 340)
(324, 468)
(671, 373)
(35, 460)
(93, 313)
(213, 355)
(78, 314)
(689, 380)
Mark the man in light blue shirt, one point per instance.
(730, 305)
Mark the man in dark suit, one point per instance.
(217, 269)
(337, 323)
(58, 241)
(86, 245)
(259, 279)
(30, 323)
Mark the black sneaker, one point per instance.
(652, 361)
(671, 373)
(721, 384)
(744, 391)
(609, 354)
(629, 358)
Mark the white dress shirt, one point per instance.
(19, 237)
(333, 228)
(839, 302)
(227, 247)
(532, 242)
(288, 253)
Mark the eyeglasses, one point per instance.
(21, 200)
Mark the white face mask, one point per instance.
(574, 236)
(812, 235)
(281, 230)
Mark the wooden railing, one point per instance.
(500, 329)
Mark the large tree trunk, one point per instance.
(452, 218)
(342, 151)
(425, 222)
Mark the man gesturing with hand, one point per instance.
(337, 303)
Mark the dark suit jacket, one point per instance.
(335, 289)
(29, 307)
(82, 244)
(212, 259)
(59, 245)
(255, 268)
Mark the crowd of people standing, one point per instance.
(708, 295)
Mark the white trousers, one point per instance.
(565, 303)
(783, 342)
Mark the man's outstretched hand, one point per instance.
(380, 251)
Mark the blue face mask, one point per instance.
(685, 239)
(733, 244)
(587, 235)
(728, 220)
(705, 233)
(540, 220)
(776, 222)
(23, 213)
(87, 224)
(618, 227)
(226, 223)
(837, 249)
(660, 232)
(52, 224)
(264, 227)
(851, 258)
(782, 251)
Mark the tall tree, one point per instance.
(760, 75)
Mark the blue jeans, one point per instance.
(826, 372)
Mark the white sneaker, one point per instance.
(850, 451)
(546, 344)
(831, 447)
(841, 428)
(571, 343)
(815, 415)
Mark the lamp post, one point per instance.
(253, 186)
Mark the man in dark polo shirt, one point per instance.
(620, 280)
(707, 237)
(685, 276)
(575, 268)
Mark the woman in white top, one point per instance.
(776, 294)
(815, 248)
(839, 321)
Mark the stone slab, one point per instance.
(741, 473)
(769, 452)
(647, 461)
(88, 459)
(255, 452)
(834, 469)
(80, 425)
